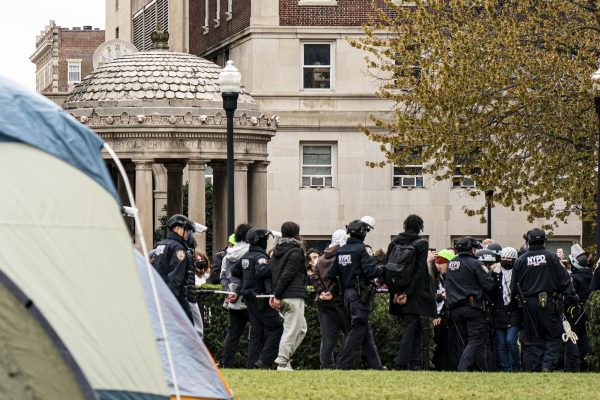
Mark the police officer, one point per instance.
(581, 276)
(174, 262)
(266, 326)
(539, 280)
(466, 281)
(355, 270)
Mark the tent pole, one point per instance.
(140, 235)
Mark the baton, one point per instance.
(217, 291)
(258, 296)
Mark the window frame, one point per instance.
(414, 176)
(458, 177)
(331, 65)
(333, 149)
(73, 62)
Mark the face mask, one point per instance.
(506, 264)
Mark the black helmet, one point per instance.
(535, 235)
(466, 243)
(487, 256)
(180, 220)
(358, 228)
(495, 248)
(255, 235)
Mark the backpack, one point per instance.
(400, 267)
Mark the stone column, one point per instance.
(143, 198)
(197, 198)
(257, 194)
(160, 192)
(122, 190)
(240, 174)
(219, 207)
(174, 188)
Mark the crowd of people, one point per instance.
(491, 307)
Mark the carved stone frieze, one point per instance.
(187, 119)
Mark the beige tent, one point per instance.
(75, 324)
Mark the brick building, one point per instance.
(63, 57)
(297, 63)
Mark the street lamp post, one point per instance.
(596, 80)
(489, 198)
(230, 82)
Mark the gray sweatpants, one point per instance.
(294, 329)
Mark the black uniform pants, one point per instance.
(544, 329)
(575, 353)
(409, 354)
(441, 357)
(266, 328)
(360, 334)
(237, 323)
(333, 321)
(471, 326)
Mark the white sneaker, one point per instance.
(284, 367)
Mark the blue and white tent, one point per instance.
(74, 322)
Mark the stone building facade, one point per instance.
(296, 60)
(63, 57)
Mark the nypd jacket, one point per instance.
(539, 270)
(228, 281)
(254, 271)
(173, 262)
(351, 263)
(466, 277)
(288, 269)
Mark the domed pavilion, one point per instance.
(162, 112)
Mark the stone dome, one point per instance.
(153, 77)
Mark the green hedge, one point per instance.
(387, 330)
(592, 309)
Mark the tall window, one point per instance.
(410, 172)
(459, 179)
(317, 64)
(317, 165)
(145, 21)
(74, 68)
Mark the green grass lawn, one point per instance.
(325, 385)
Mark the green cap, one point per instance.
(447, 254)
(232, 239)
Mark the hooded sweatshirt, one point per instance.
(229, 282)
(288, 269)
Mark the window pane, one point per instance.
(316, 170)
(317, 54)
(317, 78)
(316, 155)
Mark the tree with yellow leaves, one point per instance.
(500, 90)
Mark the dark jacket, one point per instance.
(172, 262)
(582, 279)
(503, 316)
(215, 268)
(352, 263)
(420, 298)
(255, 272)
(321, 281)
(538, 271)
(466, 277)
(288, 270)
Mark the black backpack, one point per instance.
(400, 267)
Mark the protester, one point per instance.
(288, 271)
(441, 359)
(415, 300)
(235, 305)
(333, 319)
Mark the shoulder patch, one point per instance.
(160, 249)
(245, 263)
(262, 261)
(180, 255)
